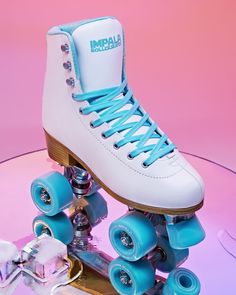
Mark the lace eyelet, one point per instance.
(115, 146)
(91, 125)
(81, 111)
(70, 82)
(103, 136)
(129, 157)
(144, 165)
(65, 48)
(67, 66)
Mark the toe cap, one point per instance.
(183, 190)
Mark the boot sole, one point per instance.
(62, 155)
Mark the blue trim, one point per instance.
(74, 55)
(68, 29)
(57, 31)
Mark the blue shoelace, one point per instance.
(109, 107)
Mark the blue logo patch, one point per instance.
(105, 44)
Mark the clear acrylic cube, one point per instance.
(44, 257)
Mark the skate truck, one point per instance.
(97, 130)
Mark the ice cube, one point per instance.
(8, 267)
(44, 257)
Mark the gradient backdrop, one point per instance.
(181, 63)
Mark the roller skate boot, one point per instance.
(96, 129)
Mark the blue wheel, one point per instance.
(186, 233)
(182, 281)
(167, 258)
(132, 236)
(51, 193)
(129, 278)
(58, 226)
(95, 208)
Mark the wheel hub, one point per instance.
(162, 253)
(125, 278)
(126, 240)
(44, 196)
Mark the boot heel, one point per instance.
(57, 151)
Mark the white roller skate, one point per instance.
(97, 130)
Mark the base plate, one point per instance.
(90, 281)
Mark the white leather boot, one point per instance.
(92, 119)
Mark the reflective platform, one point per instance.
(213, 260)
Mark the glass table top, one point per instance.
(213, 260)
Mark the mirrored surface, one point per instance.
(210, 260)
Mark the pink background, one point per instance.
(181, 63)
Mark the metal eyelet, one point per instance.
(115, 146)
(65, 48)
(144, 165)
(70, 82)
(67, 66)
(91, 125)
(103, 136)
(129, 157)
(81, 111)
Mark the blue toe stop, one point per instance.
(186, 233)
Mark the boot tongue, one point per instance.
(100, 54)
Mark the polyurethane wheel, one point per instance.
(167, 258)
(58, 226)
(132, 236)
(51, 193)
(186, 233)
(182, 281)
(129, 278)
